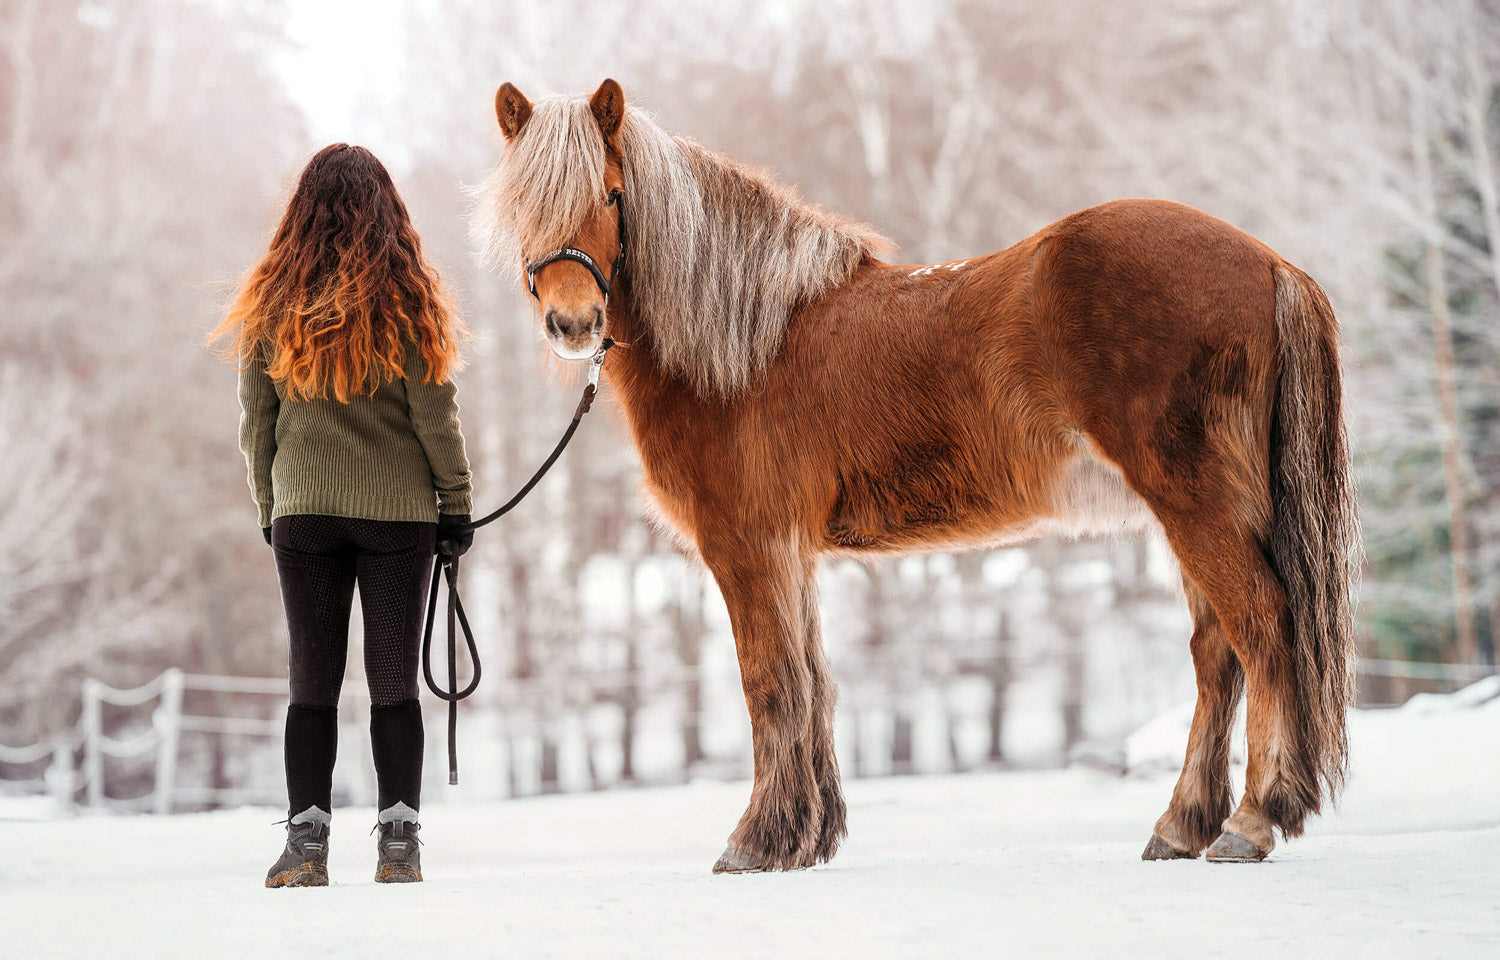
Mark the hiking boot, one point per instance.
(399, 857)
(304, 862)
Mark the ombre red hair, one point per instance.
(343, 292)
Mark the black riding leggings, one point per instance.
(319, 560)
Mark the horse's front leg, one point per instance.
(770, 589)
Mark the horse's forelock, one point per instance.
(549, 180)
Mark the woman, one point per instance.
(346, 343)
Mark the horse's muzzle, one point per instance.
(574, 335)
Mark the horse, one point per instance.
(1136, 366)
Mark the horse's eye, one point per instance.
(614, 195)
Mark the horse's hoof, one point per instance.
(1159, 849)
(1233, 848)
(733, 860)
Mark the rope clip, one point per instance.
(596, 362)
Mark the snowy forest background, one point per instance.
(146, 148)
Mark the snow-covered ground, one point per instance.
(1003, 864)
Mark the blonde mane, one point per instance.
(719, 255)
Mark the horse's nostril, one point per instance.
(561, 324)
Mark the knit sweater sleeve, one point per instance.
(434, 417)
(259, 406)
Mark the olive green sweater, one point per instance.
(397, 454)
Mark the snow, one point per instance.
(1022, 864)
(1428, 765)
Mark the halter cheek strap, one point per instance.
(578, 256)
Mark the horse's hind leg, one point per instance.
(1225, 561)
(766, 589)
(1203, 798)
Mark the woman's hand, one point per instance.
(453, 534)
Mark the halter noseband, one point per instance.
(617, 199)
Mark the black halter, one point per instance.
(617, 199)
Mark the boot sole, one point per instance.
(398, 873)
(307, 875)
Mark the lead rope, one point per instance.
(445, 567)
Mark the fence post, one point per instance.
(168, 722)
(60, 779)
(93, 729)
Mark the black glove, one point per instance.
(453, 534)
(267, 532)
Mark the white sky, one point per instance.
(346, 51)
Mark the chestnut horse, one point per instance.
(1138, 365)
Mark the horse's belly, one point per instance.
(1091, 498)
(1087, 497)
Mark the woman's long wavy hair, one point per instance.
(343, 292)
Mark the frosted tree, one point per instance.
(131, 165)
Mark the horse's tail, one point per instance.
(1314, 536)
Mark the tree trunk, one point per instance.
(630, 689)
(999, 677)
(549, 771)
(901, 752)
(1476, 107)
(1068, 618)
(1442, 348)
(690, 630)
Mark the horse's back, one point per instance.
(1016, 394)
(1144, 274)
(1114, 296)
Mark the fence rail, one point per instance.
(64, 779)
(1411, 669)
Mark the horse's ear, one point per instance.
(512, 109)
(608, 105)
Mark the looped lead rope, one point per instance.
(445, 567)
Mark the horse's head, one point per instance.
(572, 279)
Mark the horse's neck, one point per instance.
(632, 369)
(644, 387)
